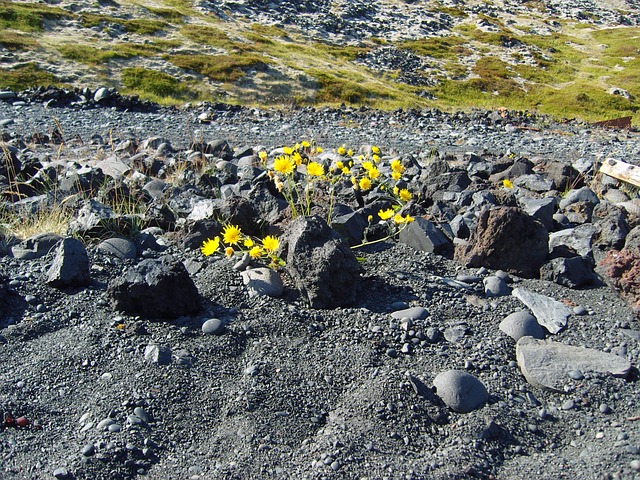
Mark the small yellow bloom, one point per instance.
(396, 175)
(376, 158)
(398, 219)
(210, 246)
(263, 155)
(284, 165)
(346, 171)
(375, 150)
(248, 243)
(228, 251)
(365, 183)
(396, 166)
(395, 190)
(339, 165)
(408, 218)
(278, 183)
(255, 252)
(350, 153)
(231, 234)
(405, 195)
(369, 218)
(287, 150)
(385, 214)
(342, 151)
(315, 169)
(507, 183)
(305, 144)
(270, 243)
(367, 166)
(297, 158)
(319, 149)
(373, 173)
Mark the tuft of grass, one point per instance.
(15, 41)
(156, 86)
(141, 26)
(208, 35)
(26, 76)
(86, 54)
(442, 48)
(220, 68)
(20, 224)
(28, 17)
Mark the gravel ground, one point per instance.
(291, 392)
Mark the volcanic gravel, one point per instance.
(286, 391)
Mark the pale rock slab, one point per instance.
(550, 313)
(546, 364)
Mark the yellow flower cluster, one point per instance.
(234, 241)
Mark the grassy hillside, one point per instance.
(170, 52)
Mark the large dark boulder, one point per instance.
(507, 239)
(156, 288)
(321, 264)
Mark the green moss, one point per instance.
(156, 86)
(27, 17)
(87, 55)
(443, 48)
(206, 35)
(220, 68)
(27, 76)
(140, 26)
(13, 41)
(171, 15)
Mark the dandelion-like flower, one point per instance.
(228, 251)
(296, 157)
(367, 165)
(270, 243)
(346, 171)
(342, 150)
(263, 156)
(373, 173)
(210, 246)
(231, 234)
(375, 150)
(248, 242)
(287, 150)
(385, 214)
(305, 144)
(315, 169)
(405, 195)
(507, 183)
(398, 219)
(283, 164)
(396, 166)
(364, 183)
(255, 252)
(396, 175)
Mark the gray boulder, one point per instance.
(262, 281)
(321, 264)
(521, 324)
(424, 236)
(573, 272)
(156, 288)
(118, 247)
(70, 266)
(460, 391)
(36, 246)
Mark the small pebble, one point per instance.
(568, 405)
(576, 375)
(88, 450)
(579, 310)
(213, 326)
(635, 465)
(604, 408)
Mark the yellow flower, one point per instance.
(297, 157)
(255, 252)
(408, 218)
(231, 234)
(270, 243)
(385, 214)
(305, 144)
(210, 246)
(365, 183)
(369, 218)
(346, 170)
(507, 183)
(350, 153)
(398, 219)
(367, 166)
(396, 166)
(263, 155)
(283, 164)
(395, 190)
(373, 173)
(375, 150)
(396, 175)
(376, 158)
(287, 150)
(405, 195)
(342, 151)
(228, 251)
(248, 242)
(319, 149)
(315, 169)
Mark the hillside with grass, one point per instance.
(568, 59)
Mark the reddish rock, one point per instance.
(507, 239)
(621, 269)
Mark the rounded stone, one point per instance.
(213, 326)
(495, 286)
(460, 391)
(521, 324)
(118, 247)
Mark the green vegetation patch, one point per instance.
(220, 68)
(27, 76)
(336, 87)
(206, 35)
(443, 48)
(156, 86)
(27, 17)
(171, 15)
(14, 41)
(86, 54)
(141, 26)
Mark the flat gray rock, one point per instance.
(547, 364)
(549, 313)
(262, 281)
(118, 247)
(414, 313)
(460, 391)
